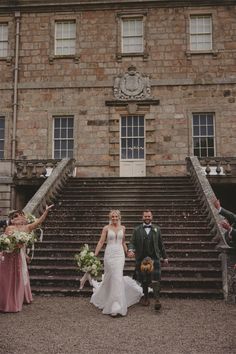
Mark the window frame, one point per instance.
(3, 139)
(132, 136)
(63, 116)
(207, 136)
(52, 55)
(202, 13)
(5, 24)
(131, 16)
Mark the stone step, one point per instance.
(87, 291)
(188, 253)
(86, 238)
(175, 266)
(175, 224)
(170, 282)
(177, 272)
(79, 244)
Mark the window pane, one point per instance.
(132, 146)
(63, 137)
(201, 32)
(3, 39)
(203, 134)
(65, 38)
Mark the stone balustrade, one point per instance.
(219, 165)
(31, 169)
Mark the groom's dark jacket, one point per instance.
(231, 217)
(137, 240)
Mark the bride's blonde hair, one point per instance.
(117, 212)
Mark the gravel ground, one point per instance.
(70, 325)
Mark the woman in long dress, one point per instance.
(14, 276)
(116, 292)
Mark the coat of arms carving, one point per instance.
(132, 86)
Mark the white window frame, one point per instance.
(64, 38)
(2, 137)
(133, 137)
(199, 31)
(63, 137)
(205, 136)
(132, 36)
(4, 39)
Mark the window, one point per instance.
(200, 32)
(132, 35)
(65, 37)
(132, 137)
(203, 134)
(63, 137)
(2, 134)
(3, 40)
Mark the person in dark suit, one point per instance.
(4, 223)
(229, 224)
(146, 241)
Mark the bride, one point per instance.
(116, 292)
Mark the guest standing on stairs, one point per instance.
(146, 242)
(229, 224)
(14, 278)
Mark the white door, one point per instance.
(132, 146)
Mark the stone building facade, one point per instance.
(126, 88)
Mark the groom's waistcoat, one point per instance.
(137, 241)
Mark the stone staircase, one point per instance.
(82, 209)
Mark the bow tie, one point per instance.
(147, 226)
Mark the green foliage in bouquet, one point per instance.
(87, 262)
(16, 240)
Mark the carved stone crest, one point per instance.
(132, 86)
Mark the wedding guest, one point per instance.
(146, 241)
(4, 222)
(116, 292)
(229, 224)
(14, 276)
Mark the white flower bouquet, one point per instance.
(5, 243)
(16, 240)
(88, 263)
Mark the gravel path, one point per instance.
(67, 325)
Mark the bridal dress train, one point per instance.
(115, 293)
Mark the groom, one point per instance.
(146, 241)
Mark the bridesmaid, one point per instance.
(14, 276)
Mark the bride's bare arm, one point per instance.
(123, 242)
(101, 241)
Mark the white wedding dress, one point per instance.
(115, 293)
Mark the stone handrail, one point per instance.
(207, 194)
(50, 188)
(204, 189)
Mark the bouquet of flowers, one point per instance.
(5, 243)
(88, 263)
(16, 240)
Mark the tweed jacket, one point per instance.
(231, 217)
(137, 240)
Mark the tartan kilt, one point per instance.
(144, 277)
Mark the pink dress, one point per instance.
(14, 282)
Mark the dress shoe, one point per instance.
(157, 305)
(144, 301)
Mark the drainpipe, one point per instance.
(15, 102)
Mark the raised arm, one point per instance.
(34, 225)
(101, 241)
